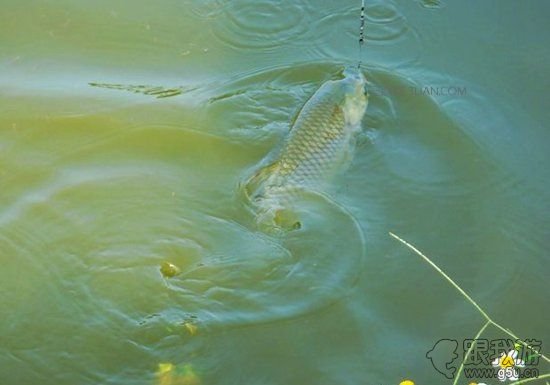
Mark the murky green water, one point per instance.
(100, 186)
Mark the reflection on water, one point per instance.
(156, 91)
(101, 185)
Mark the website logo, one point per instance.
(502, 359)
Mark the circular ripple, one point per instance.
(389, 37)
(206, 9)
(384, 22)
(260, 24)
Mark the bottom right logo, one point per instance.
(502, 359)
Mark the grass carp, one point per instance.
(318, 145)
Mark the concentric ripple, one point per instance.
(384, 22)
(389, 37)
(247, 277)
(261, 24)
(205, 9)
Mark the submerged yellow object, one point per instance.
(191, 328)
(165, 368)
(169, 270)
(170, 374)
(406, 382)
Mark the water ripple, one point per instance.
(246, 277)
(385, 22)
(206, 9)
(431, 4)
(389, 37)
(156, 91)
(261, 24)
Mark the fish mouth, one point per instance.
(354, 82)
(354, 73)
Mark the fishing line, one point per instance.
(361, 33)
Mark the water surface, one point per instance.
(126, 128)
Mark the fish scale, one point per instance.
(319, 141)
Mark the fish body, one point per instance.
(319, 142)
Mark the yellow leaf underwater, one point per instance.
(169, 374)
(191, 328)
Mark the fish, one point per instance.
(319, 144)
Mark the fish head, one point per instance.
(355, 95)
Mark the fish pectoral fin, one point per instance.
(254, 183)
